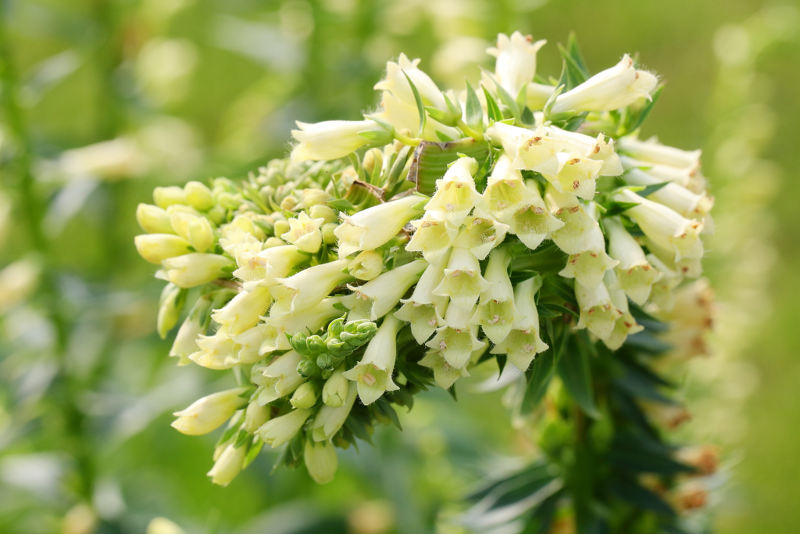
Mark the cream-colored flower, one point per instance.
(195, 269)
(614, 88)
(515, 65)
(424, 308)
(505, 190)
(321, 461)
(580, 231)
(208, 413)
(304, 233)
(156, 248)
(588, 267)
(278, 378)
(625, 324)
(280, 430)
(192, 226)
(523, 341)
(533, 223)
(495, 312)
(216, 352)
(332, 139)
(433, 236)
(329, 419)
(243, 311)
(308, 287)
(153, 220)
(672, 195)
(462, 280)
(683, 176)
(396, 83)
(444, 374)
(373, 374)
(636, 275)
(367, 265)
(597, 311)
(455, 194)
(652, 151)
(228, 465)
(480, 235)
(376, 298)
(456, 345)
(370, 228)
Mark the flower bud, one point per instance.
(277, 379)
(304, 397)
(194, 228)
(312, 197)
(153, 219)
(366, 265)
(169, 308)
(243, 311)
(636, 275)
(280, 430)
(196, 269)
(167, 196)
(321, 211)
(515, 65)
(198, 196)
(308, 287)
(161, 525)
(334, 392)
(329, 419)
(304, 233)
(334, 139)
(228, 465)
(255, 415)
(397, 84)
(321, 461)
(209, 412)
(329, 233)
(156, 248)
(216, 352)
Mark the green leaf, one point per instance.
(492, 109)
(420, 105)
(650, 189)
(615, 208)
(341, 204)
(431, 159)
(574, 370)
(540, 374)
(474, 111)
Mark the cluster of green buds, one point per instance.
(444, 231)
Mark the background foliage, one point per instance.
(191, 89)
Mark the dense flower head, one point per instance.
(435, 237)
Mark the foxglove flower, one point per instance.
(423, 309)
(376, 298)
(373, 374)
(281, 429)
(636, 275)
(373, 227)
(208, 413)
(333, 139)
(523, 341)
(515, 65)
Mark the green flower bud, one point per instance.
(281, 227)
(254, 416)
(366, 265)
(328, 235)
(336, 327)
(307, 368)
(321, 211)
(321, 461)
(194, 228)
(304, 397)
(279, 430)
(190, 270)
(315, 344)
(334, 392)
(169, 309)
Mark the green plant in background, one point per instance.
(521, 230)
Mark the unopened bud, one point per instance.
(304, 397)
(321, 461)
(321, 211)
(334, 392)
(169, 309)
(281, 227)
(153, 219)
(196, 269)
(156, 248)
(366, 265)
(228, 465)
(194, 228)
(167, 196)
(198, 196)
(328, 235)
(254, 416)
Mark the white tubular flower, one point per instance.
(433, 236)
(691, 318)
(532, 223)
(249, 344)
(625, 324)
(277, 325)
(689, 267)
(153, 220)
(580, 231)
(373, 227)
(505, 190)
(444, 374)
(367, 265)
(280, 430)
(228, 465)
(404, 117)
(537, 95)
(329, 419)
(495, 313)
(588, 267)
(156, 248)
(662, 294)
(397, 84)
(599, 148)
(376, 298)
(334, 392)
(321, 460)
(373, 374)
(304, 233)
(455, 194)
(208, 413)
(672, 195)
(516, 61)
(635, 274)
(613, 88)
(255, 415)
(523, 343)
(511, 138)
(456, 345)
(457, 316)
(683, 176)
(243, 311)
(308, 287)
(279, 261)
(331, 139)
(480, 235)
(424, 308)
(462, 280)
(195, 269)
(216, 352)
(277, 379)
(665, 227)
(191, 226)
(186, 339)
(597, 311)
(652, 151)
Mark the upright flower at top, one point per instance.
(515, 65)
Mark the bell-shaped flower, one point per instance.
(186, 339)
(333, 139)
(613, 88)
(370, 228)
(279, 261)
(444, 374)
(652, 151)
(672, 195)
(228, 465)
(523, 342)
(580, 231)
(321, 461)
(192, 226)
(330, 419)
(280, 430)
(600, 148)
(304, 233)
(195, 269)
(588, 267)
(249, 344)
(373, 374)
(308, 287)
(396, 82)
(597, 311)
(377, 297)
(462, 280)
(505, 190)
(636, 275)
(424, 308)
(216, 352)
(665, 227)
(687, 267)
(495, 312)
(456, 345)
(243, 311)
(480, 235)
(278, 378)
(455, 194)
(156, 248)
(511, 138)
(515, 65)
(690, 319)
(625, 324)
(433, 236)
(403, 115)
(662, 294)
(208, 413)
(532, 222)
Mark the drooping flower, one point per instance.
(195, 269)
(455, 194)
(377, 297)
(495, 312)
(208, 413)
(156, 248)
(423, 309)
(321, 461)
(373, 374)
(281, 429)
(462, 281)
(308, 287)
(228, 465)
(278, 378)
(636, 275)
(523, 341)
(243, 311)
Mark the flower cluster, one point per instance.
(443, 230)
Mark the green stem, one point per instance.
(467, 129)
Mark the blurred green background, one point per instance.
(104, 99)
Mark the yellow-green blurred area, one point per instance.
(102, 100)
